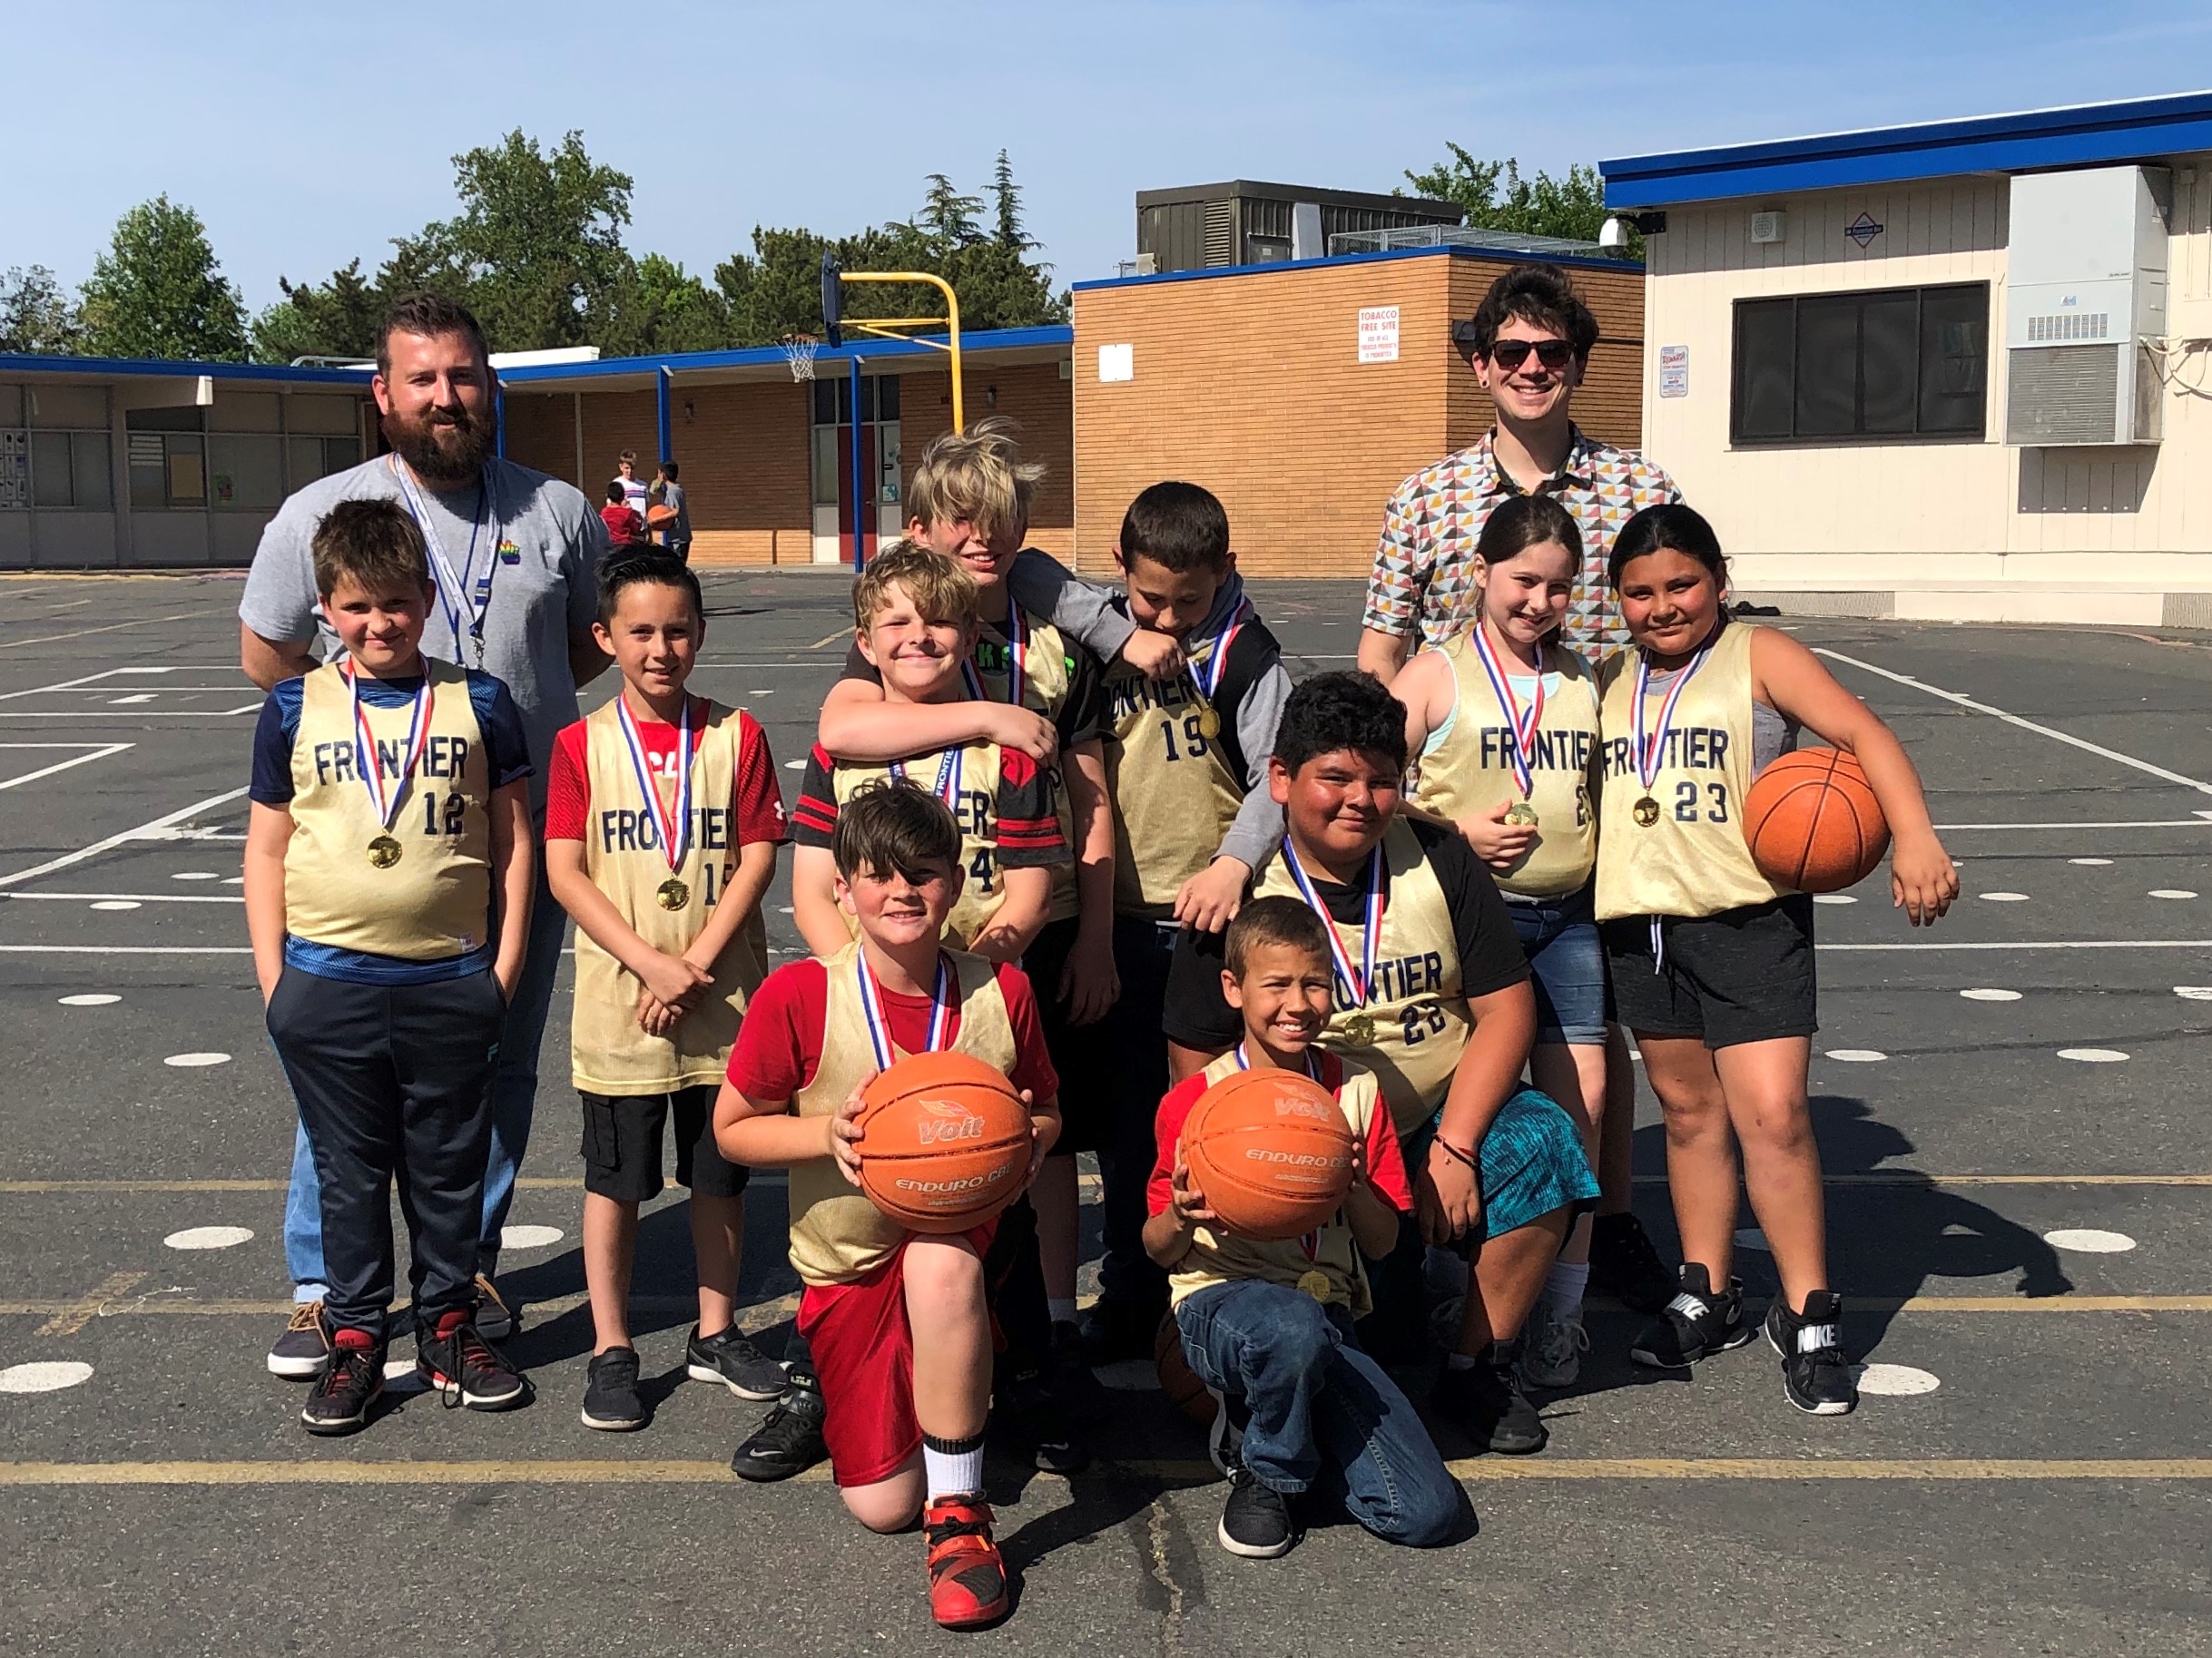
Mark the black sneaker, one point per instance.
(1255, 1521)
(1114, 1329)
(611, 1403)
(1487, 1402)
(304, 1348)
(1816, 1376)
(731, 1359)
(1625, 1266)
(466, 1370)
(340, 1400)
(789, 1439)
(1694, 1324)
(1026, 1418)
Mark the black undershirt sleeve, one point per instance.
(1490, 956)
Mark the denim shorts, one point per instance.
(1560, 937)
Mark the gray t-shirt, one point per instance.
(672, 495)
(541, 541)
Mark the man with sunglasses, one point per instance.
(1528, 343)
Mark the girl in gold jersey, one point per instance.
(1712, 964)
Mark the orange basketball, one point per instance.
(945, 1142)
(1184, 1392)
(1813, 822)
(659, 518)
(1271, 1152)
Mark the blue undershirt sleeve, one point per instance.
(507, 755)
(274, 732)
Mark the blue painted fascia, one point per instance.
(1373, 257)
(754, 356)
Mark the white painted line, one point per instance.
(114, 627)
(2093, 1056)
(193, 1062)
(109, 899)
(2171, 892)
(2026, 725)
(2194, 993)
(135, 715)
(842, 632)
(1894, 1381)
(2091, 863)
(1834, 898)
(2003, 897)
(103, 904)
(197, 875)
(91, 998)
(99, 751)
(209, 1238)
(2043, 944)
(1991, 995)
(89, 679)
(234, 880)
(2089, 1240)
(1858, 1057)
(135, 698)
(529, 1237)
(2125, 823)
(794, 765)
(143, 831)
(51, 1377)
(126, 949)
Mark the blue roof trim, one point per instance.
(18, 362)
(756, 356)
(1375, 257)
(2082, 135)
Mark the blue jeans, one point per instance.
(1322, 1413)
(513, 1094)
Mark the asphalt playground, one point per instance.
(2013, 1129)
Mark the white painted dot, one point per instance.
(401, 1375)
(1858, 1057)
(196, 875)
(1750, 1238)
(2171, 892)
(528, 1236)
(116, 904)
(1834, 898)
(90, 998)
(51, 1377)
(192, 1061)
(2194, 993)
(2004, 897)
(763, 692)
(794, 765)
(1986, 995)
(2091, 863)
(209, 1238)
(783, 909)
(2093, 1056)
(1129, 1376)
(1894, 1381)
(2089, 1240)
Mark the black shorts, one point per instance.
(1743, 976)
(621, 1146)
(1079, 1052)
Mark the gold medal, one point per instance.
(1647, 812)
(1315, 1284)
(672, 894)
(1209, 724)
(1521, 815)
(384, 852)
(1359, 1030)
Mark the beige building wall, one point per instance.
(1950, 528)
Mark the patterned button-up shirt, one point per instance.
(1424, 579)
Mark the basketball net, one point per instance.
(799, 352)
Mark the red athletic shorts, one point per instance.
(864, 1354)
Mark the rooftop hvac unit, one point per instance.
(2085, 291)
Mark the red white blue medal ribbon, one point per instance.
(1018, 669)
(1313, 1072)
(455, 595)
(1523, 752)
(1361, 980)
(880, 1027)
(947, 786)
(365, 759)
(1651, 746)
(673, 826)
(1217, 663)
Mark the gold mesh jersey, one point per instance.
(1173, 788)
(837, 1234)
(609, 1052)
(1419, 1013)
(435, 901)
(1223, 1257)
(1693, 860)
(1044, 688)
(975, 808)
(1472, 769)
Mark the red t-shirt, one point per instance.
(780, 1042)
(624, 527)
(1386, 1168)
(756, 805)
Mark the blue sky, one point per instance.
(306, 134)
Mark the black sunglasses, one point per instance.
(1511, 354)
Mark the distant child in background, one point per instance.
(388, 882)
(1712, 962)
(662, 824)
(626, 526)
(676, 525)
(635, 495)
(1268, 1326)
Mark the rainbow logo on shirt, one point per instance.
(509, 553)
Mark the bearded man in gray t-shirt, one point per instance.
(514, 554)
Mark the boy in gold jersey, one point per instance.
(1432, 996)
(661, 825)
(898, 1321)
(387, 879)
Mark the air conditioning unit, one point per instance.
(2085, 291)
(1769, 227)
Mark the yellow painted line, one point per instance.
(28, 1188)
(70, 1316)
(112, 627)
(645, 1471)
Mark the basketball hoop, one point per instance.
(799, 352)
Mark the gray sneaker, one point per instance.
(1552, 1347)
(303, 1351)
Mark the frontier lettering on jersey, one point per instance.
(442, 757)
(1552, 750)
(1696, 748)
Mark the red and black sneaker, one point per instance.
(466, 1370)
(968, 1583)
(348, 1387)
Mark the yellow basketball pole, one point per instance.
(881, 327)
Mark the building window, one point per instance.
(1889, 363)
(50, 466)
(71, 469)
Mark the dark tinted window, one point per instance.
(1899, 362)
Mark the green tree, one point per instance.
(947, 222)
(157, 291)
(334, 318)
(658, 306)
(1006, 201)
(36, 314)
(1495, 196)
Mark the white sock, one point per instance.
(952, 1467)
(1062, 1307)
(1564, 1285)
